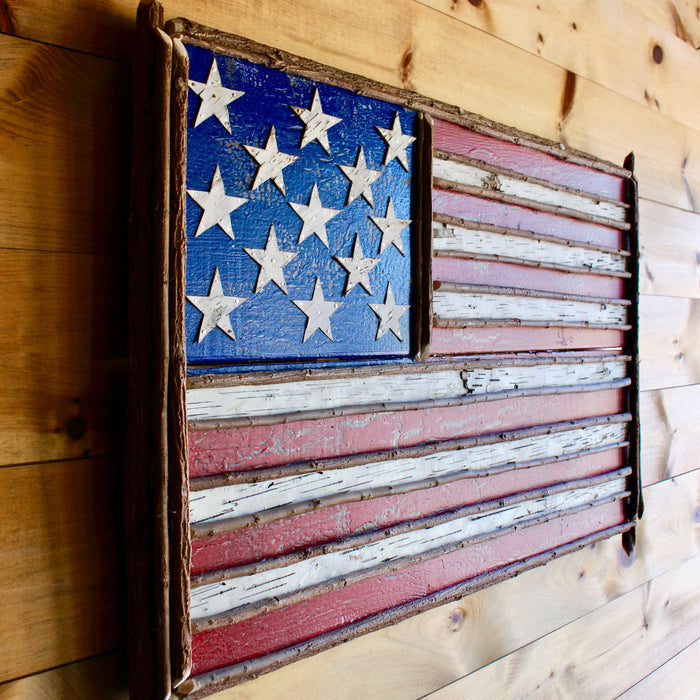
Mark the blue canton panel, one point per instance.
(251, 301)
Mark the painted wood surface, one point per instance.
(420, 655)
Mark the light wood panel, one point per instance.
(431, 650)
(64, 149)
(62, 324)
(669, 342)
(101, 677)
(581, 36)
(677, 678)
(59, 564)
(669, 241)
(603, 653)
(670, 432)
(413, 46)
(681, 17)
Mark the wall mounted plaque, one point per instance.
(383, 354)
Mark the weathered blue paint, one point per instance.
(268, 326)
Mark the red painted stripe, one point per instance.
(461, 270)
(458, 341)
(239, 449)
(528, 161)
(336, 522)
(282, 628)
(489, 211)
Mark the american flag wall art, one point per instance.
(400, 355)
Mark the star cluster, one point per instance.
(311, 185)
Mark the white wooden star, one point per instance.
(315, 217)
(272, 162)
(215, 98)
(318, 312)
(271, 261)
(396, 142)
(217, 205)
(215, 309)
(358, 268)
(317, 123)
(361, 178)
(389, 314)
(391, 228)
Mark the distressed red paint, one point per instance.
(463, 270)
(239, 449)
(490, 211)
(455, 341)
(454, 138)
(301, 621)
(336, 522)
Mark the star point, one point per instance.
(271, 260)
(317, 123)
(358, 268)
(396, 142)
(318, 313)
(216, 205)
(361, 179)
(215, 309)
(389, 314)
(391, 228)
(315, 217)
(271, 162)
(215, 98)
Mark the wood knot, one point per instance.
(75, 428)
(658, 54)
(6, 23)
(567, 95)
(476, 3)
(406, 68)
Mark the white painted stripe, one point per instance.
(448, 238)
(228, 595)
(235, 500)
(492, 380)
(505, 307)
(251, 400)
(477, 177)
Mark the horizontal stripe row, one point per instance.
(418, 383)
(269, 499)
(448, 136)
(466, 240)
(474, 173)
(329, 618)
(242, 595)
(469, 304)
(327, 525)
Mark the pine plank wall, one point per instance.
(605, 76)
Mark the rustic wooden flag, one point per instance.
(398, 348)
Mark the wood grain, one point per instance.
(438, 647)
(669, 241)
(64, 148)
(669, 342)
(670, 432)
(632, 634)
(580, 37)
(60, 564)
(62, 355)
(677, 678)
(679, 17)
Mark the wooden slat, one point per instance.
(669, 342)
(62, 355)
(581, 38)
(631, 635)
(669, 241)
(677, 678)
(100, 677)
(438, 647)
(412, 45)
(670, 432)
(59, 564)
(64, 149)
